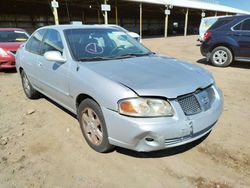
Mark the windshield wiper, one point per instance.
(114, 57)
(93, 59)
(129, 55)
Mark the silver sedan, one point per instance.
(122, 93)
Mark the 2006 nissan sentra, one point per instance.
(123, 94)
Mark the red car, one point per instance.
(10, 41)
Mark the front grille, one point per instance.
(196, 102)
(189, 104)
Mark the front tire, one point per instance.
(93, 126)
(29, 91)
(221, 57)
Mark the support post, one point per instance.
(141, 20)
(116, 14)
(215, 13)
(186, 22)
(105, 14)
(166, 25)
(55, 13)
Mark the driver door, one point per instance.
(54, 75)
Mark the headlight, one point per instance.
(145, 107)
(3, 52)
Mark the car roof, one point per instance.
(213, 17)
(11, 29)
(72, 26)
(240, 16)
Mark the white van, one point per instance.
(206, 23)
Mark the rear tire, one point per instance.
(93, 126)
(29, 91)
(221, 56)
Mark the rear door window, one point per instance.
(243, 26)
(34, 43)
(238, 27)
(220, 23)
(246, 25)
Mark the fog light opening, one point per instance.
(149, 139)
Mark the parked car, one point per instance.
(132, 34)
(227, 40)
(10, 41)
(206, 23)
(122, 93)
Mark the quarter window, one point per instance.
(34, 43)
(52, 42)
(220, 23)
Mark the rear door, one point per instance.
(30, 55)
(55, 75)
(245, 39)
(243, 33)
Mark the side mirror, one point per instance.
(54, 56)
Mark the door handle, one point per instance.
(40, 64)
(237, 34)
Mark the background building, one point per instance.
(31, 14)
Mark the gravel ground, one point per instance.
(41, 144)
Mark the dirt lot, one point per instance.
(42, 146)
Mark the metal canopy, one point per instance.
(194, 5)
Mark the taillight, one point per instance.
(207, 36)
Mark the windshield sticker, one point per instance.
(93, 48)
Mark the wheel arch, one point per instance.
(82, 97)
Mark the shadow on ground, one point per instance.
(8, 70)
(235, 64)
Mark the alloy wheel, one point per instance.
(26, 84)
(220, 57)
(92, 126)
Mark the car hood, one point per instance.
(154, 75)
(10, 45)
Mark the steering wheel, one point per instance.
(117, 49)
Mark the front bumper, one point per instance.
(150, 134)
(7, 62)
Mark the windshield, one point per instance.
(13, 36)
(102, 43)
